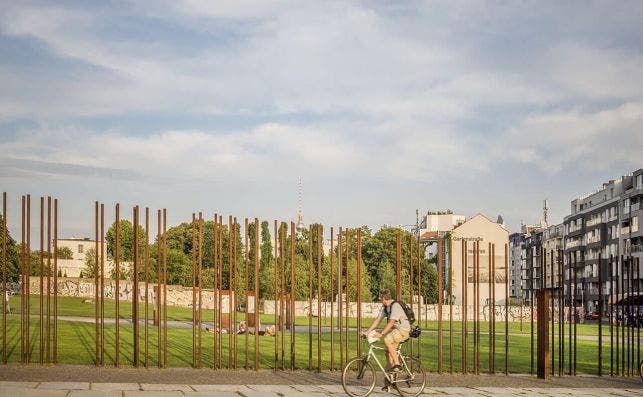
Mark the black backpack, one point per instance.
(407, 310)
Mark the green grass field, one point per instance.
(76, 342)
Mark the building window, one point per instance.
(80, 248)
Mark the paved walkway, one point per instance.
(77, 381)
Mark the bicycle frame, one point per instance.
(390, 377)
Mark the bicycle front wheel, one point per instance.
(412, 379)
(358, 378)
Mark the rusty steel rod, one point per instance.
(4, 277)
(55, 336)
(220, 291)
(135, 260)
(96, 286)
(247, 278)
(359, 291)
(310, 297)
(531, 304)
(439, 269)
(561, 312)
(200, 291)
(193, 278)
(340, 289)
(117, 293)
(348, 268)
(411, 283)
(41, 256)
(332, 301)
(571, 301)
(233, 241)
(22, 280)
(319, 297)
(492, 318)
(282, 301)
(420, 296)
(575, 315)
(553, 297)
(276, 275)
(159, 280)
(506, 309)
(147, 282)
(230, 290)
(477, 302)
(256, 293)
(450, 289)
(102, 284)
(398, 266)
(600, 315)
(164, 288)
(463, 315)
(292, 295)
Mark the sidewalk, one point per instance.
(65, 380)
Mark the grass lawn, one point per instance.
(76, 342)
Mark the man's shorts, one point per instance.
(396, 336)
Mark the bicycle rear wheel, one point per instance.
(411, 383)
(358, 378)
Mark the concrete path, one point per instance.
(75, 380)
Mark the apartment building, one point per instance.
(606, 223)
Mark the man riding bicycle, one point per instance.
(395, 331)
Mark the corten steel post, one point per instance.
(147, 280)
(561, 313)
(41, 313)
(256, 292)
(477, 301)
(571, 303)
(193, 277)
(245, 263)
(97, 341)
(492, 277)
(419, 288)
(55, 336)
(359, 290)
(200, 289)
(450, 300)
(552, 297)
(411, 284)
(319, 297)
(638, 310)
(506, 309)
(543, 338)
(101, 297)
(531, 305)
(233, 283)
(575, 316)
(117, 293)
(600, 315)
(616, 297)
(282, 296)
(464, 306)
(490, 304)
(348, 240)
(398, 266)
(276, 275)
(135, 324)
(310, 297)
(440, 244)
(26, 283)
(159, 293)
(4, 276)
(292, 295)
(219, 300)
(230, 286)
(340, 316)
(332, 301)
(164, 288)
(22, 280)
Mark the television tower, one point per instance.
(300, 216)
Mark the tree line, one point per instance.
(378, 259)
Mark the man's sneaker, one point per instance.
(395, 368)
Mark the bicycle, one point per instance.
(641, 369)
(359, 376)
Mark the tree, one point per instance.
(266, 245)
(91, 269)
(126, 249)
(12, 254)
(64, 253)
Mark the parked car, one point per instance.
(591, 316)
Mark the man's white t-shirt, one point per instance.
(397, 313)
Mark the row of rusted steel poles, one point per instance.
(48, 284)
(139, 259)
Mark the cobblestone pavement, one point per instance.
(76, 381)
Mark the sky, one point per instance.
(380, 108)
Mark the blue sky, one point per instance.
(379, 107)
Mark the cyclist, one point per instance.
(395, 331)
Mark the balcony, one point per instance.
(594, 221)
